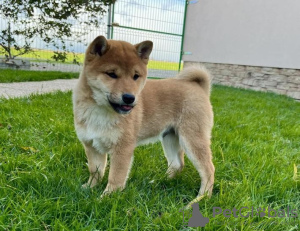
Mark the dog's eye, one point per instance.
(112, 75)
(136, 76)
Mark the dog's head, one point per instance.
(116, 71)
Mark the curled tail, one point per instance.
(198, 74)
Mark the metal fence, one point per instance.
(161, 21)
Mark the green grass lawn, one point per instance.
(10, 76)
(256, 151)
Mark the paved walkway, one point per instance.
(10, 90)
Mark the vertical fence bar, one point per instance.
(109, 22)
(182, 35)
(112, 21)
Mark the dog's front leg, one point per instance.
(120, 164)
(96, 164)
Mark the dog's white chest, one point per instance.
(99, 128)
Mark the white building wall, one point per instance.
(254, 32)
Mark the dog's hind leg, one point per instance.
(173, 153)
(197, 148)
(96, 164)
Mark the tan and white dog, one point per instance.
(115, 110)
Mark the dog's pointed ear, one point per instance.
(144, 50)
(99, 46)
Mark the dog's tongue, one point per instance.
(126, 107)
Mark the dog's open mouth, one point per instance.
(121, 108)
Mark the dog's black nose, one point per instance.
(128, 98)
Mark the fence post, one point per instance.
(182, 34)
(112, 20)
(109, 22)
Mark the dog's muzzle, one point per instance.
(126, 106)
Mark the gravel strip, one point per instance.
(11, 90)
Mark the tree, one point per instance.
(49, 20)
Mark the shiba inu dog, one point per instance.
(116, 109)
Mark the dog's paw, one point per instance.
(196, 200)
(111, 189)
(172, 172)
(91, 183)
(86, 186)
(105, 194)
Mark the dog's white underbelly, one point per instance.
(150, 140)
(154, 139)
